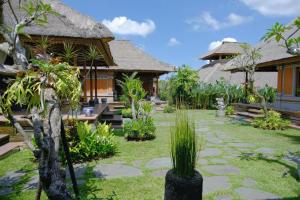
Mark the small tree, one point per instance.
(247, 62)
(182, 83)
(279, 32)
(41, 86)
(133, 91)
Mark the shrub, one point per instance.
(169, 109)
(87, 144)
(183, 146)
(126, 112)
(139, 129)
(251, 99)
(229, 110)
(269, 93)
(273, 121)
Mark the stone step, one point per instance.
(249, 115)
(117, 126)
(255, 111)
(9, 148)
(4, 139)
(108, 113)
(112, 118)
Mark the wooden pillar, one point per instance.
(84, 82)
(96, 100)
(91, 101)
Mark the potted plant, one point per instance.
(183, 182)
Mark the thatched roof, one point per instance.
(214, 71)
(69, 23)
(225, 49)
(271, 52)
(128, 57)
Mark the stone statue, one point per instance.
(221, 107)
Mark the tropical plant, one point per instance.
(229, 110)
(126, 112)
(204, 95)
(182, 83)
(41, 87)
(92, 144)
(247, 62)
(69, 53)
(273, 121)
(269, 93)
(169, 109)
(164, 90)
(139, 129)
(183, 146)
(279, 32)
(133, 91)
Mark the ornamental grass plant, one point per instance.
(183, 145)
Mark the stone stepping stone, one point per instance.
(265, 150)
(249, 182)
(202, 162)
(156, 163)
(254, 194)
(210, 152)
(32, 184)
(160, 173)
(79, 169)
(218, 161)
(223, 197)
(214, 140)
(215, 183)
(221, 169)
(202, 129)
(242, 145)
(137, 163)
(110, 171)
(5, 191)
(11, 178)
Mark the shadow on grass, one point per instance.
(293, 138)
(91, 191)
(119, 133)
(259, 156)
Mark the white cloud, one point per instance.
(206, 19)
(124, 26)
(173, 42)
(217, 43)
(274, 7)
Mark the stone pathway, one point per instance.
(110, 171)
(8, 180)
(210, 152)
(255, 194)
(221, 169)
(215, 183)
(156, 163)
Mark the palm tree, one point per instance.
(133, 91)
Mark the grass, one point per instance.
(184, 146)
(268, 173)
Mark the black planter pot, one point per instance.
(177, 188)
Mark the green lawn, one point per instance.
(267, 172)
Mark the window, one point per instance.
(298, 81)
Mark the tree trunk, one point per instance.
(263, 103)
(47, 135)
(133, 109)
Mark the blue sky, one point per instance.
(178, 32)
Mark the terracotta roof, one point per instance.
(226, 48)
(128, 57)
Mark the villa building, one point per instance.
(217, 60)
(98, 76)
